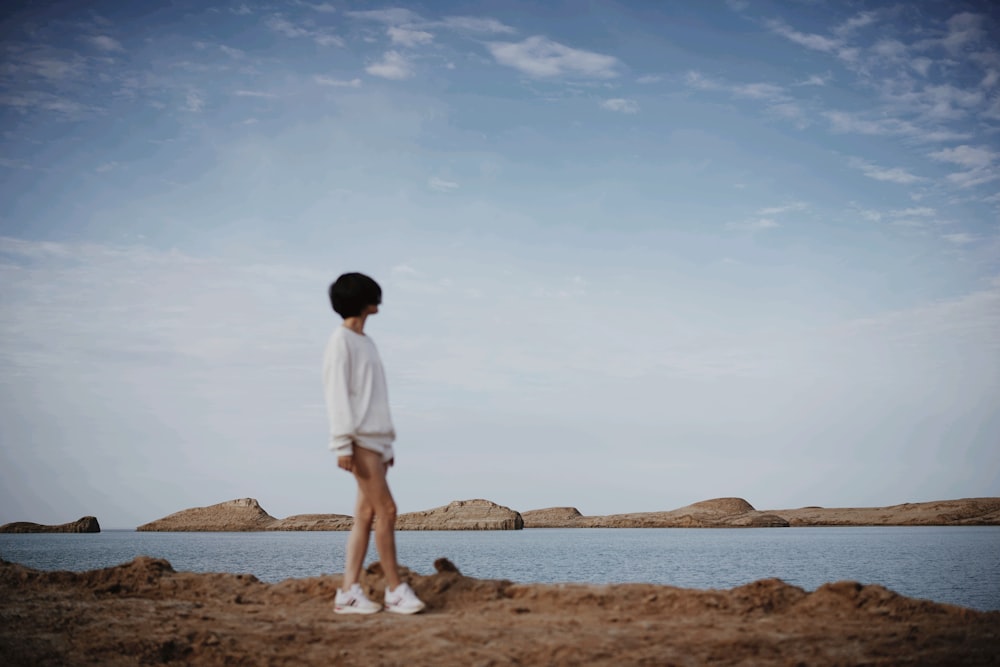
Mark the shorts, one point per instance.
(375, 445)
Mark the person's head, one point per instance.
(352, 295)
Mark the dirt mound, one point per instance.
(144, 612)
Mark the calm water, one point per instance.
(956, 564)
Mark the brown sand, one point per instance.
(143, 612)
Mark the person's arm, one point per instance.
(336, 388)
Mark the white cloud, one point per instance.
(621, 105)
(326, 39)
(964, 29)
(810, 41)
(846, 122)
(973, 177)
(774, 97)
(476, 24)
(775, 210)
(231, 52)
(966, 156)
(891, 175)
(816, 80)
(193, 102)
(854, 23)
(542, 58)
(283, 26)
(758, 225)
(960, 238)
(253, 93)
(242, 10)
(106, 167)
(842, 121)
(646, 79)
(105, 43)
(922, 211)
(339, 83)
(322, 7)
(405, 269)
(758, 91)
(393, 16)
(979, 164)
(392, 66)
(441, 185)
(407, 37)
(35, 101)
(921, 65)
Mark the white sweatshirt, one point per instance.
(357, 398)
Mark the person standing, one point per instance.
(362, 435)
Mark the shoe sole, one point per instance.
(401, 610)
(355, 610)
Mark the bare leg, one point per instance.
(374, 498)
(357, 541)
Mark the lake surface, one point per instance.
(955, 564)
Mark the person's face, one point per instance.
(372, 309)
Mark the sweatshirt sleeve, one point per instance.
(337, 388)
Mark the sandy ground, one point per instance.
(143, 612)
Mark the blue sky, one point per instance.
(634, 255)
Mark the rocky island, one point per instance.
(143, 612)
(737, 512)
(87, 524)
(246, 514)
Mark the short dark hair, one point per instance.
(351, 293)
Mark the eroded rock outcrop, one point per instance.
(87, 524)
(960, 512)
(246, 514)
(243, 514)
(737, 512)
(313, 522)
(715, 513)
(475, 514)
(553, 517)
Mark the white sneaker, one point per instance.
(402, 600)
(354, 601)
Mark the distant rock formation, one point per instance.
(961, 512)
(463, 515)
(553, 517)
(87, 524)
(243, 514)
(737, 512)
(716, 513)
(314, 522)
(246, 514)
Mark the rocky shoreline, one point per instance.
(143, 612)
(246, 514)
